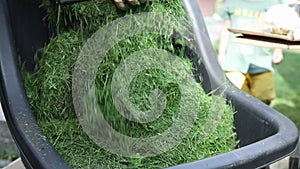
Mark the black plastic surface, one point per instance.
(265, 135)
(29, 31)
(35, 149)
(69, 1)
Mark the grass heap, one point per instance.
(49, 90)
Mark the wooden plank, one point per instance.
(262, 34)
(263, 39)
(268, 43)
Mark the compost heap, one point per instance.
(49, 89)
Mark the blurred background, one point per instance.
(287, 73)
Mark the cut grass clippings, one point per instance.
(49, 91)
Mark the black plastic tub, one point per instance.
(265, 135)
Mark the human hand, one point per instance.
(277, 56)
(121, 5)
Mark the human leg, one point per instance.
(237, 78)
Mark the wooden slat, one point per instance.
(264, 40)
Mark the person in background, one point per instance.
(121, 5)
(247, 67)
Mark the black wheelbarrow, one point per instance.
(265, 135)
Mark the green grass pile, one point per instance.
(49, 90)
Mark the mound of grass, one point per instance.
(49, 90)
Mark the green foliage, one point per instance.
(85, 15)
(8, 155)
(49, 90)
(287, 86)
(92, 14)
(81, 152)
